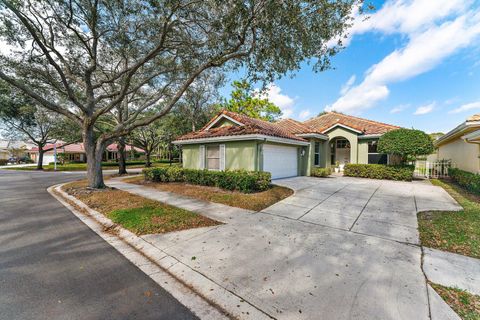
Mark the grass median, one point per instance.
(453, 231)
(135, 213)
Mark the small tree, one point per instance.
(245, 100)
(406, 143)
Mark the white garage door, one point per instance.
(280, 161)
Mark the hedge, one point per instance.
(321, 172)
(243, 181)
(468, 180)
(3, 162)
(379, 171)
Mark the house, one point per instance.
(461, 145)
(75, 152)
(13, 148)
(285, 148)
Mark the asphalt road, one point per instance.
(52, 266)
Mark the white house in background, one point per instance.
(6, 147)
(462, 145)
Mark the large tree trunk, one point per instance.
(40, 158)
(94, 151)
(122, 156)
(148, 163)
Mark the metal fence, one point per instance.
(432, 169)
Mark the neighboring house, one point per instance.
(76, 152)
(286, 148)
(461, 145)
(20, 148)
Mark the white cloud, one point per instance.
(466, 107)
(429, 44)
(399, 108)
(348, 84)
(273, 93)
(304, 114)
(425, 109)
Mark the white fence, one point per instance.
(432, 169)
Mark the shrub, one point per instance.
(468, 180)
(407, 143)
(379, 171)
(3, 162)
(243, 181)
(321, 172)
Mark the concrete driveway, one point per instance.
(339, 248)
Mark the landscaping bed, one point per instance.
(466, 305)
(453, 231)
(135, 213)
(252, 201)
(379, 171)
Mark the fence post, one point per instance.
(427, 169)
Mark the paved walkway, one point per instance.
(292, 268)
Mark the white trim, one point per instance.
(222, 157)
(221, 117)
(313, 135)
(343, 126)
(242, 138)
(458, 129)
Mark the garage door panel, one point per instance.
(280, 161)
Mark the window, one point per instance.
(316, 160)
(343, 144)
(372, 147)
(213, 157)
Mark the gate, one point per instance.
(432, 169)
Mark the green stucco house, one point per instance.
(285, 148)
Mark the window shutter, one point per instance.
(222, 157)
(202, 157)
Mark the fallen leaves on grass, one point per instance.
(135, 213)
(466, 305)
(250, 201)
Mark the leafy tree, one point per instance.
(147, 138)
(407, 143)
(245, 100)
(24, 120)
(84, 58)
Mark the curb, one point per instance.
(206, 298)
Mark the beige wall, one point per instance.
(464, 155)
(350, 136)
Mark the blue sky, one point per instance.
(414, 63)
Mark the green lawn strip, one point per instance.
(453, 231)
(160, 218)
(466, 305)
(136, 213)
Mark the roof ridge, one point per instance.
(367, 120)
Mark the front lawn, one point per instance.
(251, 201)
(466, 305)
(83, 166)
(453, 231)
(135, 213)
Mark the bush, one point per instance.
(468, 180)
(321, 172)
(407, 143)
(3, 162)
(243, 181)
(379, 171)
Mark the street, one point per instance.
(52, 266)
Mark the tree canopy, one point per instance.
(406, 143)
(85, 58)
(245, 100)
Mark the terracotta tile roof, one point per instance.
(295, 127)
(78, 148)
(329, 119)
(249, 126)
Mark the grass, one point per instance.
(135, 213)
(251, 201)
(466, 305)
(83, 166)
(453, 231)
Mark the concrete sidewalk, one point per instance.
(292, 269)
